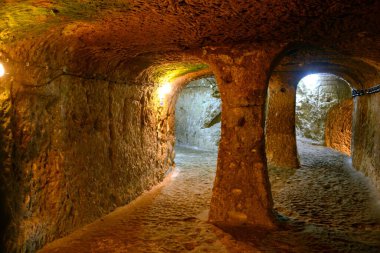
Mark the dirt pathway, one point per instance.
(332, 209)
(169, 218)
(327, 191)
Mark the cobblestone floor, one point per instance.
(326, 207)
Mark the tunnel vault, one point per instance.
(85, 132)
(59, 112)
(299, 62)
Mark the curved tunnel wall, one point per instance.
(80, 148)
(72, 138)
(308, 114)
(338, 127)
(365, 133)
(316, 95)
(198, 115)
(69, 145)
(366, 140)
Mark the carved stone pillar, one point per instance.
(241, 193)
(281, 143)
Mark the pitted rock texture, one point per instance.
(198, 115)
(339, 127)
(316, 95)
(84, 134)
(97, 36)
(366, 137)
(280, 132)
(149, 26)
(241, 193)
(80, 149)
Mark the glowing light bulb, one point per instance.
(2, 70)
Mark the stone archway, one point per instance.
(282, 120)
(280, 133)
(316, 95)
(198, 115)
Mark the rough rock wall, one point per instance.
(313, 103)
(366, 134)
(134, 27)
(339, 127)
(241, 193)
(198, 115)
(8, 198)
(280, 136)
(81, 148)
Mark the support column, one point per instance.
(241, 193)
(281, 143)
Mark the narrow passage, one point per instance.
(169, 218)
(331, 207)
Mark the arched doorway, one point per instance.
(197, 135)
(198, 115)
(318, 99)
(315, 111)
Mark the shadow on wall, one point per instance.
(198, 115)
(316, 95)
(5, 219)
(6, 197)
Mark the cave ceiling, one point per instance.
(130, 28)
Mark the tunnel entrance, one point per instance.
(197, 131)
(324, 190)
(198, 115)
(324, 111)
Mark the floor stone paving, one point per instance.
(325, 206)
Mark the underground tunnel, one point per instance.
(189, 126)
(198, 115)
(318, 97)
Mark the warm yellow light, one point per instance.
(164, 90)
(2, 70)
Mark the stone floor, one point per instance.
(325, 206)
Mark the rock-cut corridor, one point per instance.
(91, 92)
(325, 206)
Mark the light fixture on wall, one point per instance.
(2, 70)
(164, 90)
